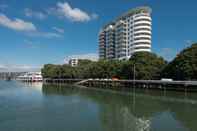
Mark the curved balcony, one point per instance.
(140, 45)
(142, 27)
(142, 31)
(143, 17)
(141, 50)
(142, 36)
(142, 22)
(141, 41)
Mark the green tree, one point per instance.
(125, 70)
(51, 71)
(148, 66)
(184, 66)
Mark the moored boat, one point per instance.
(31, 77)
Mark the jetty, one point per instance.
(129, 84)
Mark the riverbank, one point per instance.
(186, 86)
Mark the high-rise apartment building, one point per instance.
(126, 35)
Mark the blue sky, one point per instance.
(35, 32)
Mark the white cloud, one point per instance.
(59, 30)
(34, 14)
(2, 67)
(44, 34)
(74, 14)
(16, 24)
(27, 27)
(64, 10)
(89, 56)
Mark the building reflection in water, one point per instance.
(139, 111)
(34, 85)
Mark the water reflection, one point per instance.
(139, 111)
(35, 85)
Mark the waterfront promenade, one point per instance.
(121, 84)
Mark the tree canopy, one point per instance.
(148, 66)
(184, 66)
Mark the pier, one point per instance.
(129, 84)
(63, 81)
(144, 84)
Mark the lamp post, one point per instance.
(134, 75)
(134, 86)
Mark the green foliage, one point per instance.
(51, 71)
(148, 66)
(184, 66)
(84, 62)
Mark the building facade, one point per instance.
(128, 34)
(73, 62)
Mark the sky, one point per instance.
(38, 32)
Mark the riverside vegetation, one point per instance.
(148, 66)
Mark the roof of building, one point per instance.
(129, 13)
(135, 11)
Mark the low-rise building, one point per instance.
(73, 62)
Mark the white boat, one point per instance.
(31, 77)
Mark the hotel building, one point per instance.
(126, 35)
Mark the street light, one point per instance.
(134, 86)
(133, 75)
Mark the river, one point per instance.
(37, 107)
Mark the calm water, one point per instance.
(26, 107)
